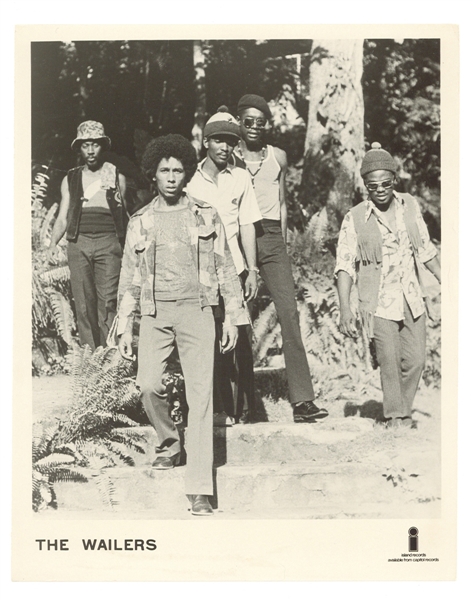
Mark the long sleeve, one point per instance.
(129, 288)
(228, 280)
(428, 251)
(347, 248)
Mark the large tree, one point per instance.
(335, 131)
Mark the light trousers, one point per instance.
(401, 350)
(192, 328)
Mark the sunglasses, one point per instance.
(386, 185)
(258, 122)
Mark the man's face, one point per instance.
(219, 148)
(379, 184)
(253, 124)
(91, 151)
(170, 179)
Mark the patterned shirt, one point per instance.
(175, 272)
(233, 197)
(398, 275)
(210, 254)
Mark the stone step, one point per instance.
(260, 443)
(273, 487)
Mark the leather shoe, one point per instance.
(166, 462)
(308, 412)
(201, 506)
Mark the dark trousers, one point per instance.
(233, 390)
(95, 263)
(192, 328)
(400, 348)
(276, 272)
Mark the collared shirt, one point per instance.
(233, 197)
(398, 277)
(211, 258)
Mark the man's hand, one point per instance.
(229, 338)
(124, 345)
(250, 286)
(51, 254)
(347, 323)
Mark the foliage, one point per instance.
(52, 314)
(52, 462)
(402, 104)
(96, 432)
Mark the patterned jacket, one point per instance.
(212, 258)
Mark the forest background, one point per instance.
(330, 99)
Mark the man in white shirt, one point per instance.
(228, 188)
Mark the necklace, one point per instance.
(263, 154)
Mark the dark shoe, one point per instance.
(201, 506)
(308, 412)
(166, 462)
(245, 418)
(397, 422)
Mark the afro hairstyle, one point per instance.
(167, 146)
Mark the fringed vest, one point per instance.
(369, 257)
(114, 199)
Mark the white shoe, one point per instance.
(221, 419)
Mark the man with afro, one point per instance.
(176, 266)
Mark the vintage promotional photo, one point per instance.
(230, 240)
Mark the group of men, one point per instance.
(188, 269)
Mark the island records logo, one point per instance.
(413, 539)
(412, 555)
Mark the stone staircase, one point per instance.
(271, 470)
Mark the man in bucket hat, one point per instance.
(93, 216)
(228, 189)
(384, 246)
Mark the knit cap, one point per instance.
(254, 101)
(377, 160)
(221, 123)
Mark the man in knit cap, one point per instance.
(267, 166)
(228, 189)
(384, 247)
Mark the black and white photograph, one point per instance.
(256, 339)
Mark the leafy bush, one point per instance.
(96, 432)
(53, 321)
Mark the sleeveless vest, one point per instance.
(114, 199)
(369, 257)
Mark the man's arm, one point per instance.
(434, 266)
(230, 288)
(281, 158)
(347, 321)
(248, 242)
(60, 224)
(122, 184)
(129, 293)
(345, 272)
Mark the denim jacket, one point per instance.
(212, 258)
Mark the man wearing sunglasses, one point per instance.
(384, 246)
(267, 166)
(228, 189)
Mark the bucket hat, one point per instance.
(90, 130)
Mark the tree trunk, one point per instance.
(335, 131)
(200, 96)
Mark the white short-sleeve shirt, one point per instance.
(233, 197)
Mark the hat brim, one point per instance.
(230, 133)
(78, 141)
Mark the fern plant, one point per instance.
(52, 462)
(96, 433)
(53, 321)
